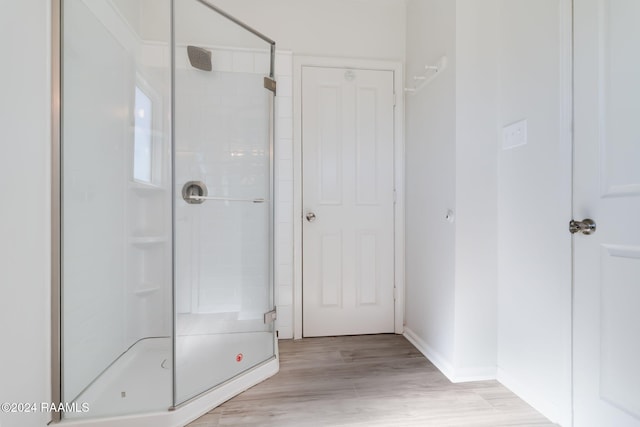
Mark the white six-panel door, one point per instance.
(607, 190)
(348, 201)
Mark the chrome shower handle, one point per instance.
(226, 199)
(195, 193)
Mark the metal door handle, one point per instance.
(587, 226)
(311, 216)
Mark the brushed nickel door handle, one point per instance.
(586, 227)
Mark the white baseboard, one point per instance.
(285, 332)
(455, 375)
(434, 357)
(482, 373)
(536, 399)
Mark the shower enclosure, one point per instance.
(162, 200)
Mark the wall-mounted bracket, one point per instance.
(270, 316)
(270, 84)
(430, 73)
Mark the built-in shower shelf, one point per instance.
(148, 240)
(144, 189)
(143, 292)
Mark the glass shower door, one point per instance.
(222, 203)
(115, 216)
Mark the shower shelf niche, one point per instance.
(148, 286)
(147, 240)
(146, 290)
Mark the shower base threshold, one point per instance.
(138, 381)
(136, 390)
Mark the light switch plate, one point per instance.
(514, 135)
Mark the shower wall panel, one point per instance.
(94, 199)
(220, 261)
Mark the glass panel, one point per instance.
(116, 207)
(223, 275)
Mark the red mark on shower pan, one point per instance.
(239, 357)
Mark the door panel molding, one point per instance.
(606, 189)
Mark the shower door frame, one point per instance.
(193, 408)
(56, 217)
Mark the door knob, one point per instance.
(587, 226)
(311, 216)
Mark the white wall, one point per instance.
(349, 28)
(476, 192)
(25, 209)
(534, 335)
(451, 165)
(430, 179)
(505, 302)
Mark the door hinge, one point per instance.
(395, 99)
(395, 197)
(395, 293)
(270, 316)
(270, 84)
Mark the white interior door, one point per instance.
(607, 190)
(348, 197)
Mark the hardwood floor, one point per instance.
(372, 380)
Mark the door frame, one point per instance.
(398, 142)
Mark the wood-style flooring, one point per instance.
(371, 380)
